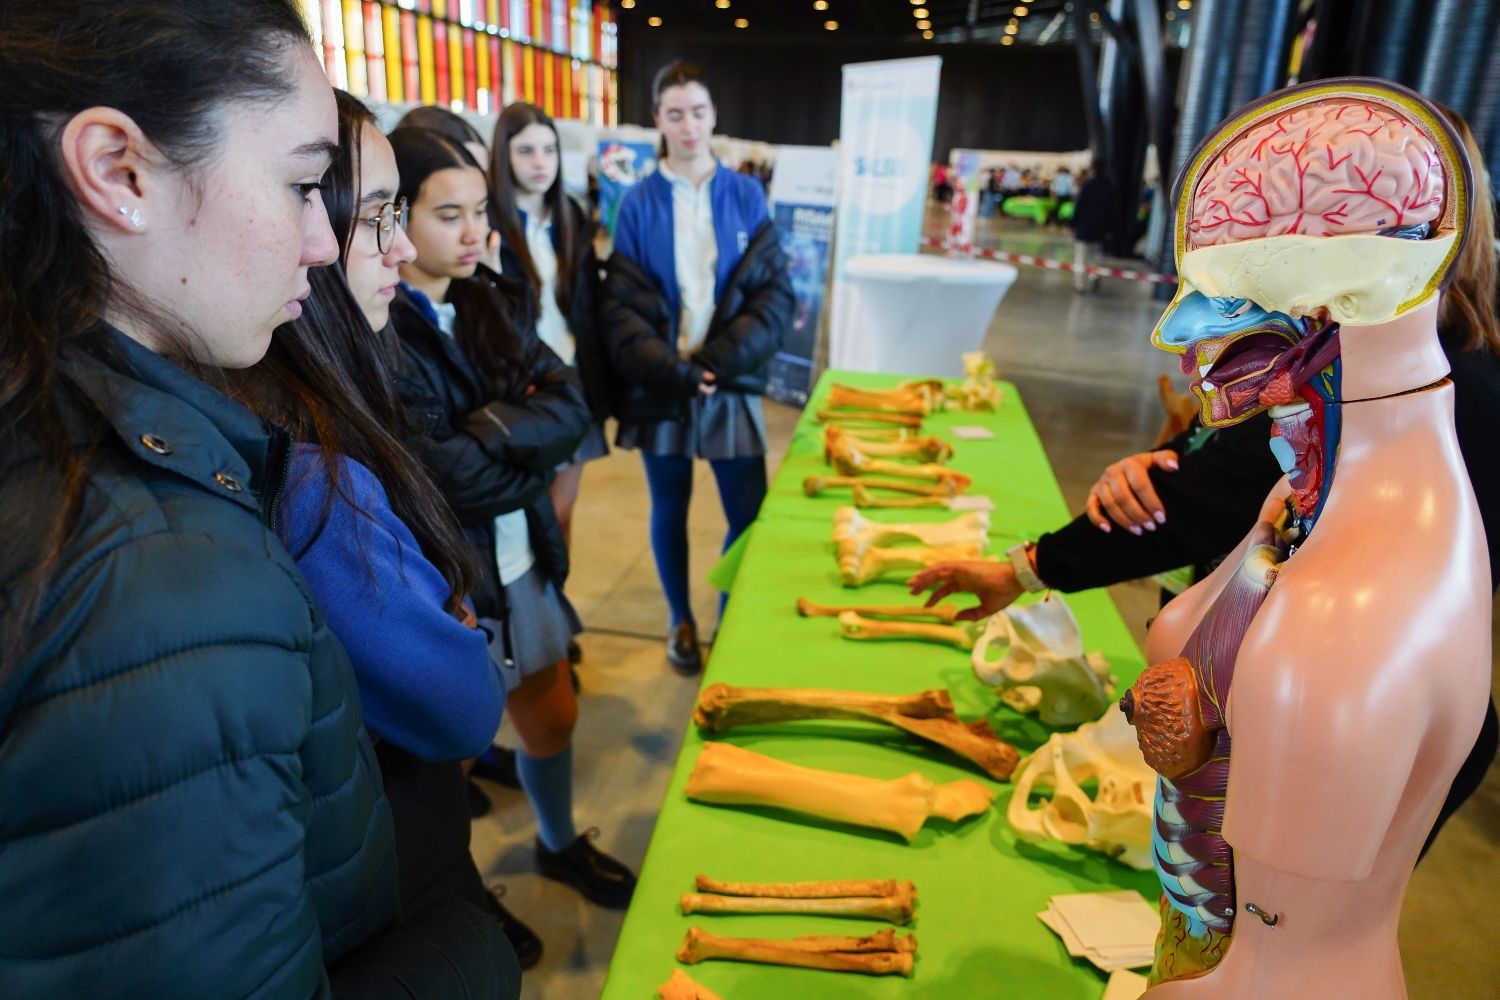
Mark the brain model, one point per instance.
(1329, 168)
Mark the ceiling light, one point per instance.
(655, 22)
(924, 25)
(919, 12)
(722, 4)
(1011, 29)
(927, 35)
(830, 26)
(1007, 40)
(1021, 11)
(820, 5)
(1184, 4)
(1171, 15)
(742, 22)
(628, 4)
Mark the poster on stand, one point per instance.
(886, 121)
(621, 167)
(802, 201)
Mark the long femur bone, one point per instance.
(952, 485)
(895, 909)
(927, 715)
(947, 613)
(878, 954)
(917, 449)
(869, 417)
(725, 774)
(918, 396)
(849, 460)
(855, 626)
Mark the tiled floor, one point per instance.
(1087, 374)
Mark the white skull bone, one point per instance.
(1042, 667)
(1117, 821)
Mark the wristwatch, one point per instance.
(1020, 561)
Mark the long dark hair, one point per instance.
(567, 220)
(443, 121)
(1466, 310)
(170, 65)
(491, 329)
(327, 379)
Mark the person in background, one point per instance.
(1092, 223)
(1062, 185)
(500, 413)
(192, 806)
(1192, 501)
(383, 555)
(696, 300)
(456, 127)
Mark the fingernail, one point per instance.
(1149, 525)
(1135, 529)
(1104, 527)
(1172, 464)
(1160, 517)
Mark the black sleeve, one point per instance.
(541, 431)
(1210, 503)
(591, 356)
(754, 334)
(477, 487)
(637, 348)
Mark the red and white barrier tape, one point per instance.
(1059, 265)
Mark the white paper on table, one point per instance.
(971, 502)
(1110, 920)
(971, 432)
(1059, 926)
(1124, 985)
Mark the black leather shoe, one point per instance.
(522, 938)
(479, 803)
(682, 650)
(501, 770)
(600, 878)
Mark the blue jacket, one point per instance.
(426, 680)
(189, 804)
(644, 229)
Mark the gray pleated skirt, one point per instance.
(540, 621)
(724, 425)
(594, 445)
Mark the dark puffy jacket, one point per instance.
(191, 807)
(754, 311)
(591, 358)
(490, 456)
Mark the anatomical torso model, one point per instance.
(1309, 703)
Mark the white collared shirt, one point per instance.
(696, 256)
(551, 324)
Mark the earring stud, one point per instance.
(134, 215)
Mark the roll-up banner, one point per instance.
(886, 124)
(802, 202)
(622, 165)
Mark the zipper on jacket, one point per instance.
(282, 442)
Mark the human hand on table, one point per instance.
(1124, 494)
(994, 583)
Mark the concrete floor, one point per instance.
(1087, 375)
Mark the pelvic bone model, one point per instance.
(914, 449)
(979, 390)
(928, 716)
(1041, 666)
(727, 775)
(1117, 820)
(682, 987)
(919, 397)
(951, 485)
(886, 900)
(1311, 700)
(859, 565)
(879, 954)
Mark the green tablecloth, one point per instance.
(978, 887)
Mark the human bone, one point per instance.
(946, 613)
(859, 566)
(881, 953)
(865, 500)
(920, 397)
(1117, 820)
(1041, 666)
(850, 527)
(682, 987)
(869, 417)
(725, 774)
(952, 485)
(919, 449)
(927, 715)
(855, 626)
(979, 390)
(848, 460)
(807, 890)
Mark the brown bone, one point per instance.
(927, 715)
(882, 953)
(849, 460)
(806, 890)
(951, 486)
(923, 449)
(854, 626)
(1163, 707)
(896, 908)
(920, 397)
(864, 499)
(682, 987)
(869, 416)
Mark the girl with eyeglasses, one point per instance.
(501, 413)
(385, 558)
(191, 804)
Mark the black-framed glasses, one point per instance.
(391, 215)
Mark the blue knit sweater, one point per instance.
(425, 679)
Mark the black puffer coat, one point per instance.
(490, 456)
(652, 381)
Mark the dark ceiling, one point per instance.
(951, 21)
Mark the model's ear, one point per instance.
(112, 167)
